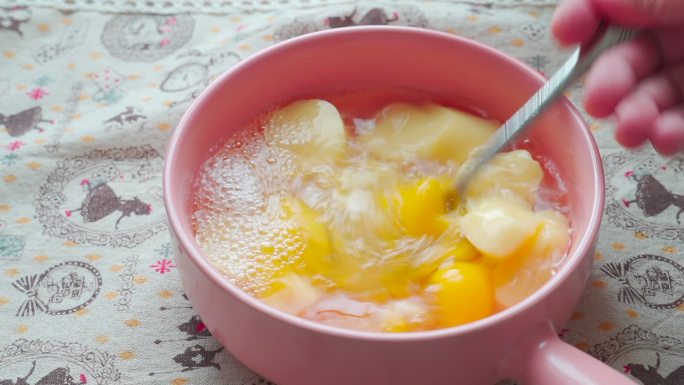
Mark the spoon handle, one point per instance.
(578, 63)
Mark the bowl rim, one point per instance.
(196, 255)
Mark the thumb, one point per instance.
(643, 13)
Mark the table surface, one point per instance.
(90, 93)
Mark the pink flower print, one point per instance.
(37, 93)
(171, 21)
(200, 327)
(107, 79)
(163, 266)
(83, 378)
(240, 28)
(165, 42)
(629, 174)
(14, 146)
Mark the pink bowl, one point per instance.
(520, 343)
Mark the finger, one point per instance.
(574, 21)
(637, 113)
(641, 13)
(669, 42)
(667, 135)
(635, 117)
(617, 72)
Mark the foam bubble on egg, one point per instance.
(250, 250)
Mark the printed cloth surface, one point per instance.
(90, 92)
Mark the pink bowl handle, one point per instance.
(547, 359)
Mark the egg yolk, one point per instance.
(419, 207)
(463, 292)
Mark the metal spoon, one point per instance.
(578, 63)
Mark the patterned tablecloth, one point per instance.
(89, 95)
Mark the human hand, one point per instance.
(641, 82)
